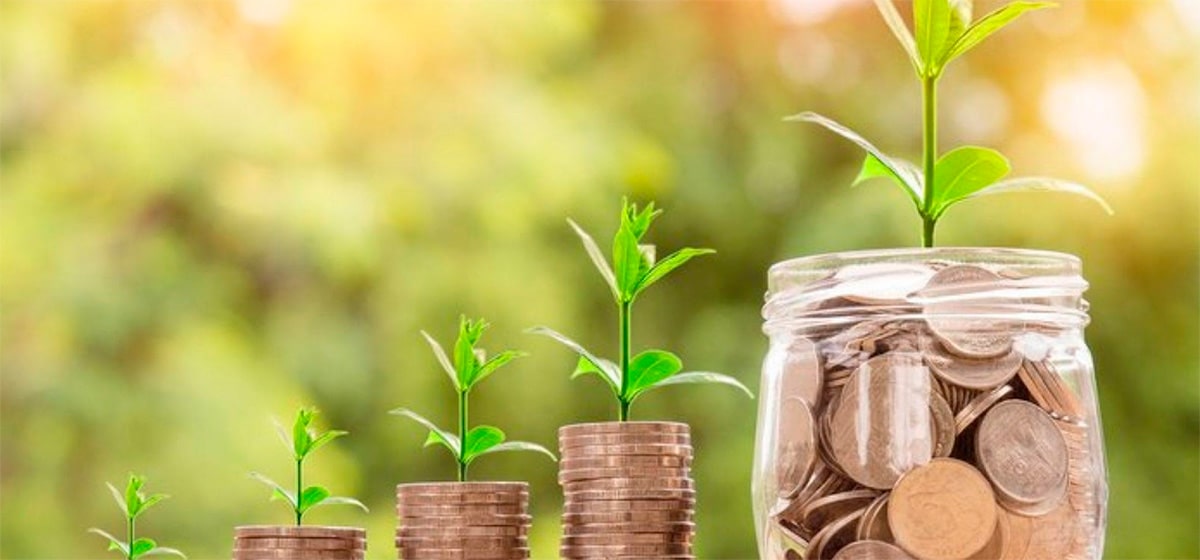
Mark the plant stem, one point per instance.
(131, 524)
(929, 134)
(299, 489)
(626, 309)
(462, 434)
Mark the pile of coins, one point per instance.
(290, 542)
(463, 521)
(628, 490)
(926, 424)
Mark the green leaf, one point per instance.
(701, 377)
(164, 551)
(436, 434)
(648, 368)
(300, 436)
(607, 370)
(989, 24)
(149, 501)
(874, 169)
(896, 23)
(931, 20)
(310, 497)
(518, 446)
(480, 439)
(665, 266)
(960, 19)
(498, 361)
(323, 439)
(342, 501)
(133, 497)
(141, 546)
(586, 366)
(278, 491)
(1042, 184)
(465, 359)
(964, 170)
(442, 359)
(283, 436)
(597, 257)
(627, 261)
(908, 174)
(638, 222)
(113, 542)
(117, 497)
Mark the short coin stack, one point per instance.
(463, 521)
(290, 542)
(628, 490)
(932, 426)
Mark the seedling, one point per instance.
(134, 503)
(634, 269)
(944, 31)
(302, 442)
(470, 366)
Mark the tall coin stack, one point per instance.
(290, 542)
(628, 490)
(463, 521)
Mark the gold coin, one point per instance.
(623, 428)
(943, 510)
(871, 550)
(1021, 451)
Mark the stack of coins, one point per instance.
(299, 543)
(463, 520)
(928, 425)
(628, 490)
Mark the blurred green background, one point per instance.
(214, 212)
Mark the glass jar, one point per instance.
(929, 404)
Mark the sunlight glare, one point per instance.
(1100, 111)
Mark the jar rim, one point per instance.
(1049, 261)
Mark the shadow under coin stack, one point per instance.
(287, 542)
(628, 490)
(466, 520)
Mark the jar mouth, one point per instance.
(964, 282)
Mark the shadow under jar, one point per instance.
(928, 404)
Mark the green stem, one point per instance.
(299, 489)
(929, 134)
(626, 309)
(462, 434)
(131, 524)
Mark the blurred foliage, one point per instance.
(214, 212)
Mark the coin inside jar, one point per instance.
(881, 427)
(943, 510)
(796, 445)
(970, 373)
(1023, 453)
(871, 550)
(963, 324)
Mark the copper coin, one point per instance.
(871, 550)
(1024, 455)
(405, 510)
(664, 483)
(874, 524)
(796, 445)
(1016, 542)
(471, 519)
(623, 428)
(942, 510)
(621, 472)
(322, 543)
(802, 373)
(633, 516)
(994, 549)
(566, 443)
(977, 374)
(464, 531)
(647, 494)
(1050, 390)
(463, 499)
(826, 509)
(490, 543)
(627, 538)
(1053, 535)
(459, 488)
(964, 322)
(833, 537)
(653, 449)
(296, 554)
(881, 427)
(463, 554)
(980, 405)
(628, 505)
(610, 461)
(618, 550)
(943, 425)
(623, 528)
(880, 283)
(304, 531)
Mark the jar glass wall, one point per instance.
(928, 404)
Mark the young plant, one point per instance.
(470, 366)
(302, 442)
(134, 503)
(944, 31)
(634, 269)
